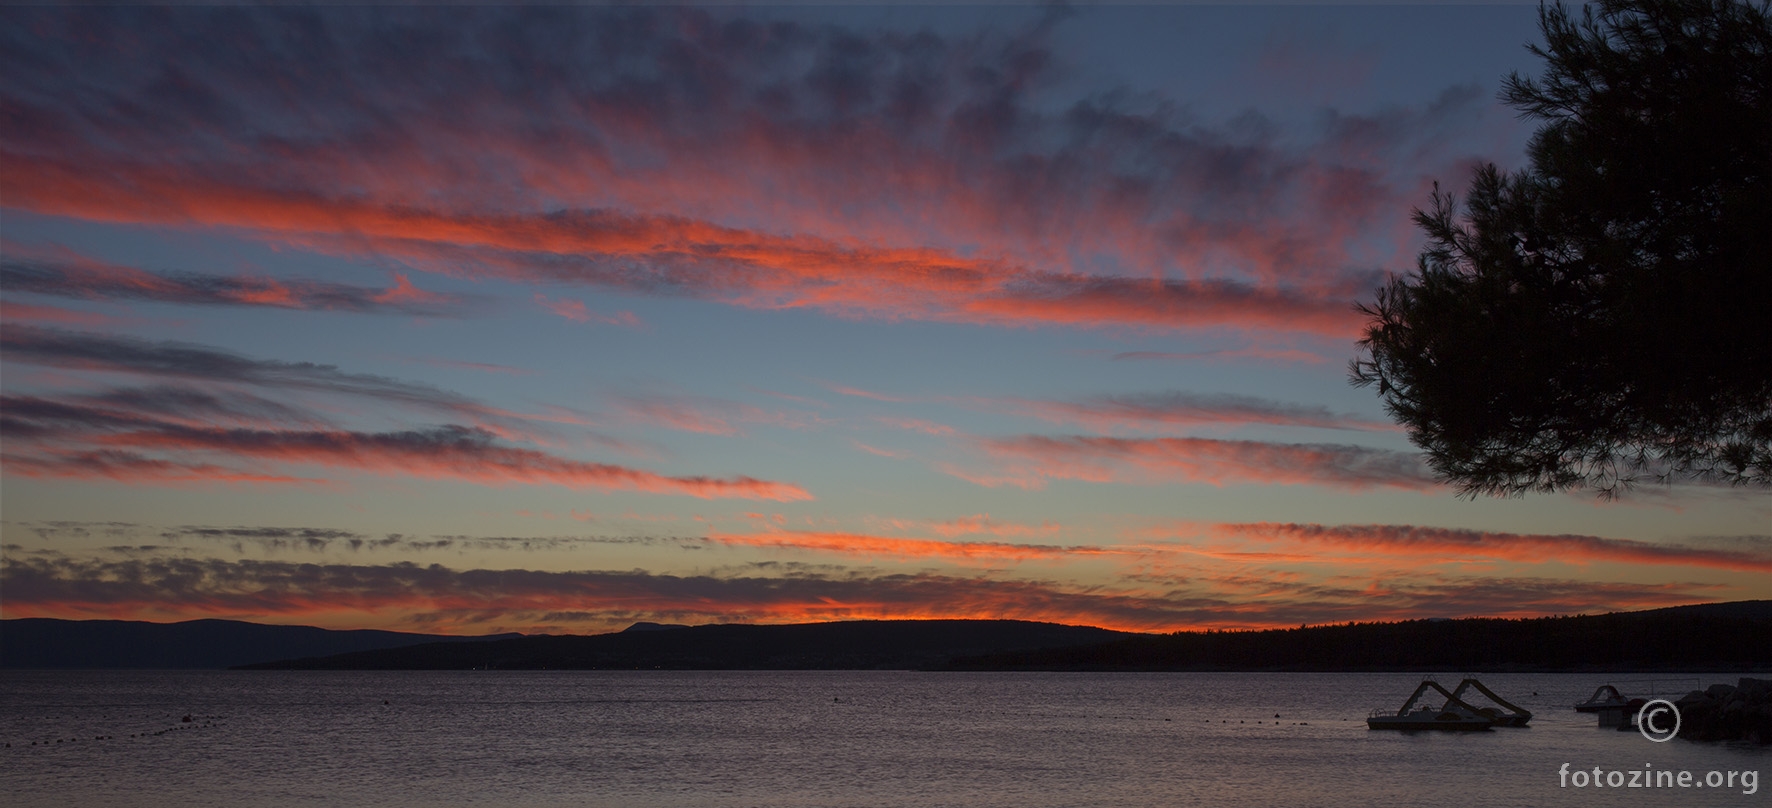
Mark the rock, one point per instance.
(1724, 713)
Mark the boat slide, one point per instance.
(1605, 697)
(1608, 697)
(1514, 717)
(1455, 714)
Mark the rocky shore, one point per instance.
(1740, 712)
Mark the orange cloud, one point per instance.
(403, 595)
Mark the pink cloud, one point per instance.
(1450, 543)
(974, 525)
(983, 524)
(27, 312)
(1028, 461)
(61, 272)
(1179, 409)
(130, 467)
(1279, 355)
(858, 544)
(104, 435)
(991, 202)
(878, 452)
(575, 311)
(484, 367)
(705, 414)
(917, 425)
(449, 453)
(856, 392)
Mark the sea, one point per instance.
(732, 739)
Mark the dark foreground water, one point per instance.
(807, 739)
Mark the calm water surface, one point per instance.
(729, 739)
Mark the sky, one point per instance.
(556, 319)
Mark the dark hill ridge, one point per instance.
(35, 642)
(1760, 609)
(859, 645)
(1708, 637)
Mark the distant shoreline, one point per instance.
(1709, 638)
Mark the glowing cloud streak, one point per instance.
(1174, 409)
(63, 274)
(746, 189)
(857, 544)
(1450, 543)
(405, 594)
(1029, 460)
(453, 452)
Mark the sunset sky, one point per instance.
(558, 319)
